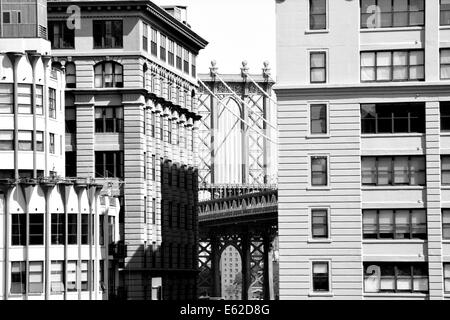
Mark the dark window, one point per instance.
(6, 140)
(169, 131)
(108, 119)
(162, 47)
(445, 116)
(70, 120)
(318, 118)
(52, 143)
(72, 227)
(71, 77)
(109, 164)
(392, 13)
(445, 12)
(395, 224)
(153, 124)
(36, 229)
(395, 171)
(145, 37)
(396, 277)
(25, 140)
(171, 53)
(179, 58)
(319, 171)
(18, 277)
(154, 46)
(71, 164)
(153, 211)
(319, 223)
(193, 66)
(58, 228)
(6, 17)
(85, 229)
(317, 14)
(60, 35)
(52, 103)
(393, 118)
(186, 61)
(19, 229)
(446, 224)
(153, 167)
(445, 170)
(161, 128)
(402, 65)
(318, 69)
(320, 277)
(39, 141)
(108, 34)
(101, 229)
(108, 75)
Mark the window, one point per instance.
(153, 167)
(380, 277)
(445, 116)
(72, 276)
(161, 128)
(58, 228)
(109, 164)
(179, 59)
(145, 36)
(6, 140)
(171, 52)
(71, 77)
(395, 224)
(57, 276)
(193, 65)
(402, 65)
(162, 47)
(24, 99)
(154, 47)
(445, 12)
(72, 228)
(39, 141)
(392, 13)
(445, 170)
(36, 277)
(108, 119)
(394, 171)
(60, 35)
(393, 118)
(319, 171)
(318, 71)
(318, 114)
(39, 100)
(71, 164)
(445, 64)
(154, 211)
(446, 277)
(111, 229)
(108, 75)
(186, 61)
(101, 229)
(52, 143)
(7, 17)
(320, 277)
(52, 103)
(319, 223)
(18, 277)
(18, 229)
(108, 34)
(85, 229)
(169, 131)
(36, 229)
(446, 224)
(317, 14)
(6, 98)
(84, 275)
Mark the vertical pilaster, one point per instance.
(85, 136)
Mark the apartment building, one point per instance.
(52, 228)
(130, 121)
(364, 149)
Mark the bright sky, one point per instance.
(236, 30)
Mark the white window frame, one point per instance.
(311, 239)
(310, 156)
(327, 64)
(318, 135)
(327, 20)
(313, 293)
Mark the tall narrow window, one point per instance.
(52, 103)
(58, 228)
(84, 275)
(19, 229)
(171, 53)
(145, 37)
(36, 277)
(445, 64)
(445, 12)
(193, 65)
(153, 211)
(445, 170)
(18, 277)
(39, 141)
(169, 131)
(85, 229)
(445, 116)
(60, 36)
(39, 100)
(318, 118)
(57, 277)
(72, 227)
(108, 34)
(317, 14)
(162, 47)
(52, 143)
(447, 277)
(186, 61)
(101, 229)
(153, 167)
(320, 277)
(318, 71)
(179, 57)
(71, 81)
(108, 75)
(36, 225)
(154, 46)
(319, 171)
(319, 223)
(153, 124)
(71, 276)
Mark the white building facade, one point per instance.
(364, 149)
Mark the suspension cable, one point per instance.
(261, 89)
(233, 113)
(245, 103)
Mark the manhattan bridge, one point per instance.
(237, 185)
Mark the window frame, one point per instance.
(444, 105)
(441, 24)
(312, 237)
(444, 156)
(101, 27)
(325, 67)
(441, 65)
(114, 75)
(327, 119)
(315, 186)
(310, 20)
(445, 225)
(64, 35)
(313, 291)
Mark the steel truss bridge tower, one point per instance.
(237, 179)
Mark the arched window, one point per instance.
(108, 74)
(71, 81)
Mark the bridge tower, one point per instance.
(237, 178)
